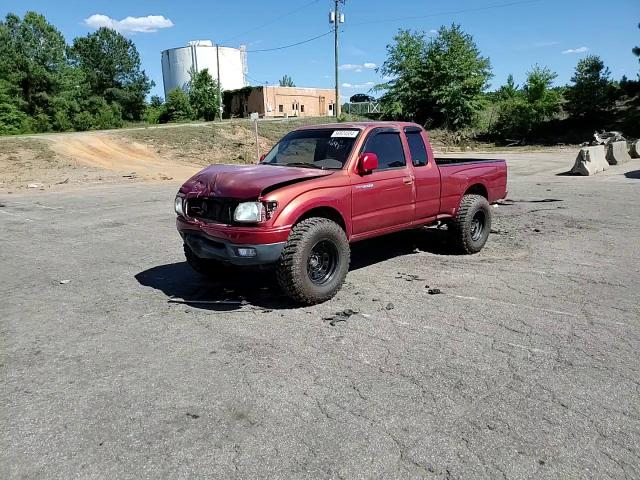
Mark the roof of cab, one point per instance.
(360, 125)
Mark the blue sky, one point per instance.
(555, 33)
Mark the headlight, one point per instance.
(179, 205)
(250, 212)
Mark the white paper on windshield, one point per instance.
(345, 133)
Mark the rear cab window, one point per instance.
(387, 145)
(417, 148)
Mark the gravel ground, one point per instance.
(524, 366)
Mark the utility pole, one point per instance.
(337, 18)
(219, 88)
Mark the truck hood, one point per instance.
(245, 182)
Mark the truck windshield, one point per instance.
(325, 148)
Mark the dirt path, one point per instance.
(107, 152)
(62, 161)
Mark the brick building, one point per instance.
(272, 101)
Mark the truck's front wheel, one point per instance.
(314, 261)
(470, 229)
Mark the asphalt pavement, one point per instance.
(118, 361)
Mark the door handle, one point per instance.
(407, 180)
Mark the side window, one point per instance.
(417, 149)
(388, 147)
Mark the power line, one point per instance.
(274, 20)
(451, 12)
(292, 44)
(254, 80)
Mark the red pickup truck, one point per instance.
(324, 186)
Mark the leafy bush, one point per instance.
(108, 116)
(62, 122)
(515, 119)
(40, 123)
(203, 95)
(177, 107)
(153, 114)
(83, 121)
(521, 113)
(12, 120)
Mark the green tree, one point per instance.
(440, 81)
(591, 95)
(155, 110)
(177, 106)
(155, 101)
(32, 65)
(544, 100)
(111, 65)
(522, 115)
(203, 95)
(508, 90)
(404, 93)
(12, 119)
(287, 81)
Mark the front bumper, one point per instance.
(205, 246)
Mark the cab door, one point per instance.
(426, 172)
(384, 198)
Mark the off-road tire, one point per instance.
(292, 268)
(204, 266)
(461, 229)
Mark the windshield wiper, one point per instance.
(301, 164)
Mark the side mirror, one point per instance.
(262, 158)
(367, 163)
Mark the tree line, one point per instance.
(96, 82)
(443, 82)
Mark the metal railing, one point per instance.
(362, 108)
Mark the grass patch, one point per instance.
(227, 142)
(16, 151)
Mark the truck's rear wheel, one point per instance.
(204, 266)
(471, 227)
(314, 261)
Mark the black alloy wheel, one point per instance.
(322, 262)
(477, 225)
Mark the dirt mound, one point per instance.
(111, 153)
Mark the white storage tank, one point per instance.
(201, 54)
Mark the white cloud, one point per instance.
(358, 85)
(433, 32)
(148, 24)
(575, 50)
(356, 67)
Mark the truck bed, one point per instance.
(445, 161)
(458, 172)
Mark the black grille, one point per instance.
(218, 210)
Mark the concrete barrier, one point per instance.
(590, 161)
(634, 149)
(617, 153)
